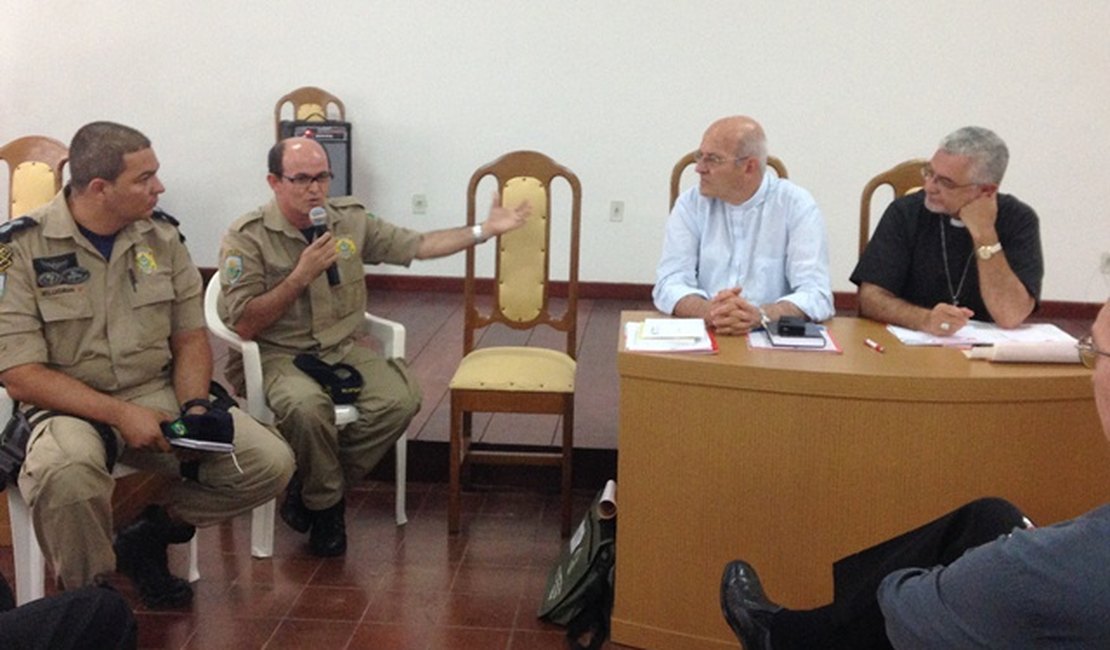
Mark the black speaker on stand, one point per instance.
(335, 137)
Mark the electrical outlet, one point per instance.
(419, 204)
(1104, 263)
(616, 211)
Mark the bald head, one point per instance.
(295, 146)
(300, 177)
(732, 159)
(742, 135)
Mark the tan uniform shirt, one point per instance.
(105, 323)
(262, 248)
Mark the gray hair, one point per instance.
(753, 144)
(988, 153)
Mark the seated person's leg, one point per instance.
(390, 398)
(854, 619)
(305, 416)
(216, 486)
(67, 485)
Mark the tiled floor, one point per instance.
(410, 587)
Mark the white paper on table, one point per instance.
(673, 328)
(1022, 352)
(979, 333)
(634, 341)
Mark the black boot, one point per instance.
(329, 531)
(293, 510)
(141, 556)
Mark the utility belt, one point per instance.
(17, 433)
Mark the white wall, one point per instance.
(616, 91)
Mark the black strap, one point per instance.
(197, 401)
(37, 416)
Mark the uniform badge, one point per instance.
(5, 258)
(52, 271)
(233, 268)
(345, 247)
(144, 260)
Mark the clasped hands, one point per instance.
(729, 314)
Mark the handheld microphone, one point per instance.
(319, 218)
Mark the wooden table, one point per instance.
(792, 460)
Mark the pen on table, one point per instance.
(874, 345)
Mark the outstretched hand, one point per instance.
(502, 219)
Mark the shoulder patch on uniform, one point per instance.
(371, 215)
(5, 258)
(9, 228)
(233, 267)
(162, 216)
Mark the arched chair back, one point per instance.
(35, 165)
(903, 178)
(310, 104)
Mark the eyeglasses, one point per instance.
(928, 174)
(304, 180)
(713, 159)
(1088, 353)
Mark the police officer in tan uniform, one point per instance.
(102, 338)
(276, 291)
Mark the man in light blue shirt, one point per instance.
(744, 246)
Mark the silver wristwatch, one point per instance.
(476, 230)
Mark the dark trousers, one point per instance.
(93, 617)
(853, 620)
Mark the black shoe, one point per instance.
(293, 510)
(746, 607)
(141, 556)
(329, 532)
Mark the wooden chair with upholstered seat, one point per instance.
(518, 379)
(310, 104)
(903, 178)
(34, 171)
(688, 159)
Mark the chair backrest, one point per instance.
(310, 104)
(688, 159)
(904, 178)
(34, 171)
(521, 286)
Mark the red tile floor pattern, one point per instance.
(410, 587)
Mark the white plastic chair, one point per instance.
(30, 566)
(392, 337)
